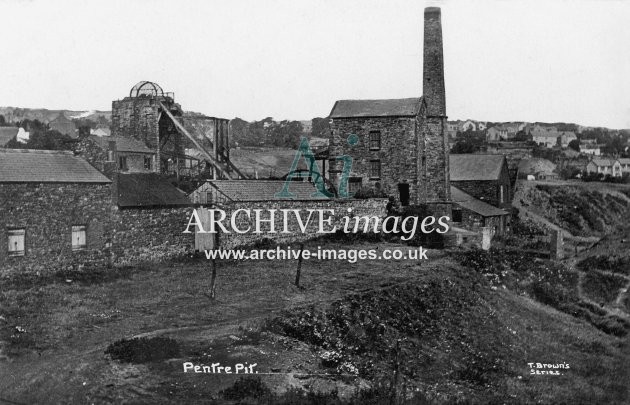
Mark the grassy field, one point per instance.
(444, 330)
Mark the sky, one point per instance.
(505, 60)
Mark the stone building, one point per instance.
(485, 177)
(55, 210)
(151, 116)
(58, 212)
(233, 195)
(474, 214)
(605, 166)
(113, 154)
(399, 147)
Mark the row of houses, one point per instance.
(615, 167)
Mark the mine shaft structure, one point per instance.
(189, 146)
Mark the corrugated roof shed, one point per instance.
(148, 190)
(475, 167)
(263, 190)
(122, 144)
(46, 166)
(471, 203)
(7, 133)
(402, 107)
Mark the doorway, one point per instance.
(403, 194)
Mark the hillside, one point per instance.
(266, 162)
(581, 209)
(16, 114)
(459, 328)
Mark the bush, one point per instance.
(613, 325)
(143, 350)
(247, 387)
(602, 288)
(607, 263)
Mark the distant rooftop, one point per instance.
(122, 144)
(7, 133)
(402, 107)
(475, 167)
(46, 166)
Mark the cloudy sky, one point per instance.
(505, 60)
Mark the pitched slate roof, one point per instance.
(122, 144)
(102, 132)
(535, 165)
(46, 166)
(7, 133)
(64, 126)
(471, 203)
(263, 190)
(603, 161)
(475, 167)
(402, 107)
(148, 190)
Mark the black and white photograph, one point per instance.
(315, 202)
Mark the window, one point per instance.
(148, 163)
(122, 163)
(208, 197)
(16, 242)
(457, 215)
(375, 140)
(375, 169)
(110, 155)
(501, 196)
(78, 237)
(354, 184)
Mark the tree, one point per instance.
(469, 142)
(320, 128)
(575, 145)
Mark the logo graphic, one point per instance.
(305, 151)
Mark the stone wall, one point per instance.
(435, 162)
(135, 162)
(114, 237)
(47, 213)
(397, 154)
(136, 117)
(474, 221)
(488, 191)
(96, 156)
(368, 207)
(139, 118)
(150, 234)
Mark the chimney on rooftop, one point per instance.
(433, 70)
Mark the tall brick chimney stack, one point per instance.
(434, 181)
(433, 72)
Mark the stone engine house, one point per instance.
(399, 147)
(151, 116)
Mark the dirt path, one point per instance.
(169, 301)
(617, 308)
